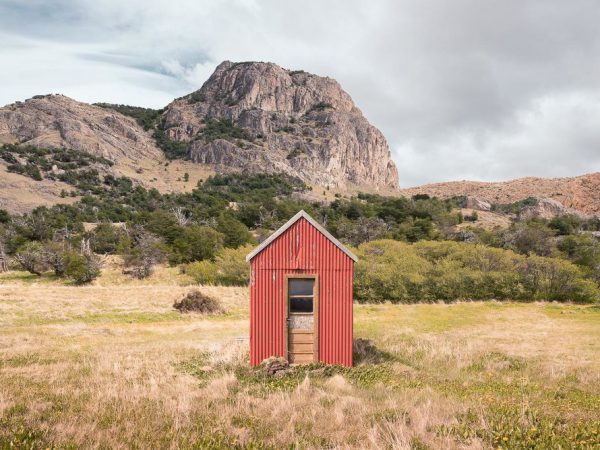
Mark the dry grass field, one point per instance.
(113, 365)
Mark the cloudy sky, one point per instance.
(463, 89)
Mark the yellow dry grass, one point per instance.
(112, 365)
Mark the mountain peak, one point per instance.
(290, 121)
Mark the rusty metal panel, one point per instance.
(301, 249)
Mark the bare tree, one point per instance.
(363, 230)
(144, 254)
(85, 247)
(3, 259)
(54, 255)
(211, 222)
(181, 216)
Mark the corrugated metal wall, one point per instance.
(301, 249)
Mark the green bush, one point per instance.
(430, 271)
(107, 238)
(229, 268)
(81, 269)
(235, 232)
(203, 272)
(223, 129)
(390, 270)
(196, 243)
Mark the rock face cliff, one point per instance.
(260, 117)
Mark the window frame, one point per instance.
(311, 296)
(315, 312)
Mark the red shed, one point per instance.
(301, 295)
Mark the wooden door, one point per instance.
(302, 295)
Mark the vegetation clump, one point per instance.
(364, 351)
(196, 301)
(74, 167)
(223, 129)
(321, 106)
(228, 269)
(432, 271)
(146, 117)
(81, 269)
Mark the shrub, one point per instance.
(430, 271)
(196, 301)
(565, 224)
(81, 269)
(4, 216)
(229, 268)
(223, 129)
(389, 270)
(555, 279)
(203, 272)
(107, 238)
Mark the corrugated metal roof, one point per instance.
(289, 223)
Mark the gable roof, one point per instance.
(292, 221)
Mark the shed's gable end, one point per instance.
(301, 215)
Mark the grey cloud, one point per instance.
(462, 89)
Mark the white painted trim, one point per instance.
(288, 224)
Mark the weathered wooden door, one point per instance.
(302, 292)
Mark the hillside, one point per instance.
(580, 193)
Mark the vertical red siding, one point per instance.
(301, 249)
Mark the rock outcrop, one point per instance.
(260, 117)
(548, 208)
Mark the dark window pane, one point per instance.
(301, 286)
(301, 305)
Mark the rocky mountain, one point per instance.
(253, 117)
(557, 195)
(259, 116)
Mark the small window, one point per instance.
(301, 295)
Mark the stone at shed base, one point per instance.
(274, 365)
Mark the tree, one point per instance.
(235, 232)
(31, 258)
(107, 238)
(54, 255)
(146, 250)
(81, 269)
(182, 217)
(363, 230)
(163, 224)
(196, 244)
(530, 237)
